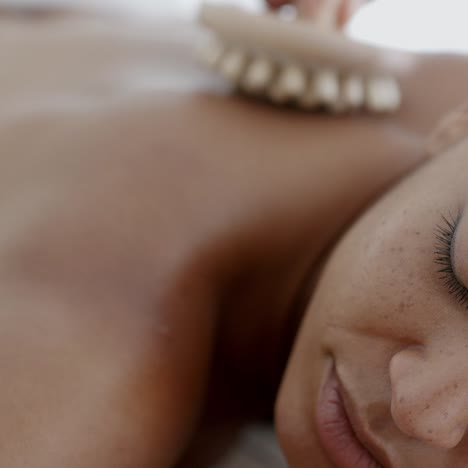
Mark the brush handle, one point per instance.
(300, 42)
(324, 17)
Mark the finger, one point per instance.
(307, 7)
(347, 10)
(312, 8)
(278, 3)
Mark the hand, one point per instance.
(312, 8)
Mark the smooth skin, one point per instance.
(160, 240)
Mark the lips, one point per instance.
(336, 432)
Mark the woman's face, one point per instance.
(381, 361)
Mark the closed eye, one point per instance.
(445, 234)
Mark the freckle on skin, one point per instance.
(446, 415)
(427, 407)
(429, 431)
(455, 386)
(402, 399)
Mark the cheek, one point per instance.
(382, 278)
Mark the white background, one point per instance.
(407, 24)
(421, 25)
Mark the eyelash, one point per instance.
(445, 234)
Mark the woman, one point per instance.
(386, 332)
(160, 242)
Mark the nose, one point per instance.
(430, 396)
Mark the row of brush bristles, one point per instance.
(306, 87)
